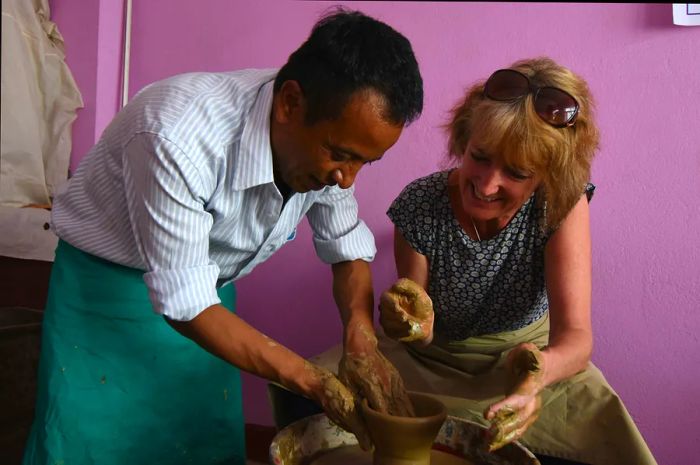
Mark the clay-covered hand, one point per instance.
(339, 403)
(406, 312)
(370, 375)
(512, 416)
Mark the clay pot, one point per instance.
(405, 440)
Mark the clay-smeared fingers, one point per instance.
(376, 395)
(372, 376)
(505, 433)
(402, 405)
(414, 297)
(406, 312)
(503, 427)
(356, 425)
(510, 418)
(342, 407)
(392, 318)
(526, 365)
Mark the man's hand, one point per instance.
(339, 403)
(372, 376)
(363, 369)
(406, 312)
(512, 416)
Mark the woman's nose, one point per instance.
(489, 182)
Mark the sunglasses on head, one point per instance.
(555, 106)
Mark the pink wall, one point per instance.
(645, 216)
(93, 35)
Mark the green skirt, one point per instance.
(117, 385)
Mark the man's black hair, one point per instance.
(346, 52)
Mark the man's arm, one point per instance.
(363, 368)
(352, 290)
(227, 336)
(344, 241)
(171, 228)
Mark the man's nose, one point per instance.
(345, 177)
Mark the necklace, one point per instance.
(478, 238)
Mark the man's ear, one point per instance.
(290, 103)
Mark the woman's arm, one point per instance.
(409, 263)
(568, 280)
(405, 309)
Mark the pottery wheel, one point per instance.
(353, 455)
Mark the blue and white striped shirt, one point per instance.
(180, 185)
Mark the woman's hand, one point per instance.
(406, 312)
(338, 402)
(512, 416)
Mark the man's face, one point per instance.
(328, 152)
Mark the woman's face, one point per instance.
(490, 190)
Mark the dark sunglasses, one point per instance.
(555, 106)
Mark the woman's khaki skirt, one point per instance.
(582, 418)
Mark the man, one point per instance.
(196, 181)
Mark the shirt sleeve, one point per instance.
(412, 214)
(339, 235)
(165, 198)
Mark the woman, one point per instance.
(501, 245)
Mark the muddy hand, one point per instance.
(339, 404)
(512, 416)
(406, 312)
(370, 375)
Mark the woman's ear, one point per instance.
(290, 103)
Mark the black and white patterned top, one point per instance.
(477, 287)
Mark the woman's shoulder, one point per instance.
(432, 184)
(418, 208)
(420, 195)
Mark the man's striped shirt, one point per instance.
(181, 185)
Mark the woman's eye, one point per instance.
(518, 175)
(479, 158)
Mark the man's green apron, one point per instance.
(117, 385)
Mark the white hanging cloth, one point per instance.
(39, 103)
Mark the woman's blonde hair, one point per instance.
(512, 131)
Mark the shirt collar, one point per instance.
(254, 160)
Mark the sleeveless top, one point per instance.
(477, 287)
